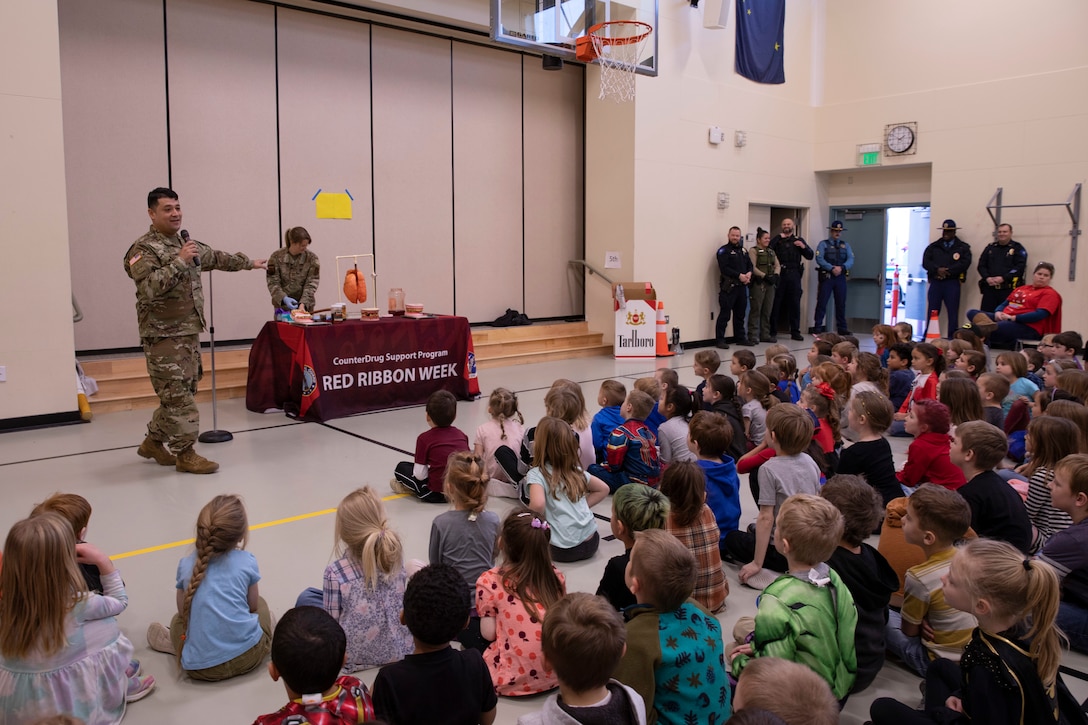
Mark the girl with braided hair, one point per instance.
(222, 628)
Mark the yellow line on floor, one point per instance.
(254, 527)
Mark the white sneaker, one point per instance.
(158, 639)
(396, 486)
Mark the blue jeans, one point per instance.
(311, 597)
(613, 479)
(1073, 620)
(1007, 332)
(909, 649)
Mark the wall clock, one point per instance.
(900, 139)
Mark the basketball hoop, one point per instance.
(617, 47)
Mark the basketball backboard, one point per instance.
(552, 26)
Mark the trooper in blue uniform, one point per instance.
(834, 258)
(1001, 268)
(735, 267)
(946, 261)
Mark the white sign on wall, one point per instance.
(612, 260)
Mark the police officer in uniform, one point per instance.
(834, 258)
(791, 250)
(170, 310)
(1001, 268)
(735, 268)
(946, 262)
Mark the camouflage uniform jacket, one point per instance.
(293, 276)
(169, 295)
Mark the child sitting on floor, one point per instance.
(634, 509)
(807, 615)
(866, 573)
(422, 477)
(435, 611)
(308, 648)
(927, 456)
(935, 519)
(583, 640)
(790, 471)
(631, 453)
(610, 398)
(675, 656)
(692, 522)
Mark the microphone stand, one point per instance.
(214, 435)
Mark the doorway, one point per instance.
(885, 238)
(770, 218)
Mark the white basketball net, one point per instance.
(618, 47)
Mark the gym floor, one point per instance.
(291, 476)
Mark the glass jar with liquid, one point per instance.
(396, 301)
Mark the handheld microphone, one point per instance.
(185, 238)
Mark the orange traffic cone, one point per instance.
(662, 334)
(933, 332)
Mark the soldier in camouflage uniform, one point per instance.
(294, 272)
(170, 310)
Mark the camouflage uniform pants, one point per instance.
(175, 367)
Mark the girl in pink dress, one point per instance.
(512, 599)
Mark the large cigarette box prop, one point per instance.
(636, 319)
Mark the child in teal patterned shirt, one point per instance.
(675, 658)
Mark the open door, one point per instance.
(866, 233)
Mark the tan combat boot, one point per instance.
(189, 461)
(152, 448)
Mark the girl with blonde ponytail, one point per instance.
(222, 628)
(1009, 669)
(364, 587)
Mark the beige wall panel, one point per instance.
(223, 144)
(553, 189)
(413, 148)
(324, 102)
(893, 185)
(36, 331)
(112, 69)
(487, 182)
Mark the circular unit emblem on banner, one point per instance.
(309, 380)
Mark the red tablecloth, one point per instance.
(323, 372)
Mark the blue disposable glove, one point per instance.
(290, 303)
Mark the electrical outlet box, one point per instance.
(3, 373)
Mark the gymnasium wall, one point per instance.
(464, 161)
(675, 226)
(995, 87)
(36, 322)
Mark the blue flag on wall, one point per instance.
(760, 35)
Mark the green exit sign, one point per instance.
(868, 154)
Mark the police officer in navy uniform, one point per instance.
(791, 250)
(834, 258)
(1001, 268)
(735, 267)
(946, 261)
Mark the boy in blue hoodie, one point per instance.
(709, 436)
(609, 417)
